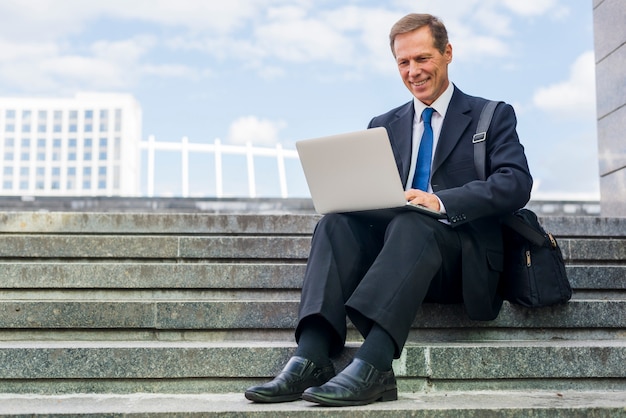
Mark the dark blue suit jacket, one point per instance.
(473, 206)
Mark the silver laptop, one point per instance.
(354, 172)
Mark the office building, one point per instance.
(87, 145)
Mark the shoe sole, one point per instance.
(257, 397)
(389, 395)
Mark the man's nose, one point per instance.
(414, 68)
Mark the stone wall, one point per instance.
(609, 19)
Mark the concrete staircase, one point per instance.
(148, 314)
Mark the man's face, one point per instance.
(422, 67)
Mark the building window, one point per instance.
(9, 127)
(118, 120)
(9, 114)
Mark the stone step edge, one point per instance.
(433, 404)
(280, 345)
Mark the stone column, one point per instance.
(609, 21)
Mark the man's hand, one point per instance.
(419, 197)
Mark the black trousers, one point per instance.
(379, 270)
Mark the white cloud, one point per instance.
(574, 96)
(528, 8)
(255, 130)
(51, 19)
(48, 68)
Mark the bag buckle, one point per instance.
(479, 137)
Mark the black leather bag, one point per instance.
(534, 270)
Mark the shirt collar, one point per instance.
(440, 105)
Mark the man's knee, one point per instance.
(412, 223)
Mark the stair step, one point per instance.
(156, 223)
(218, 275)
(456, 361)
(156, 275)
(570, 403)
(226, 247)
(244, 223)
(152, 313)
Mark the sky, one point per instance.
(277, 71)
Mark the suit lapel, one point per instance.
(456, 122)
(400, 132)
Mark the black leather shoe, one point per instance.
(358, 384)
(298, 375)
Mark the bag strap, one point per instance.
(480, 154)
(480, 138)
(525, 230)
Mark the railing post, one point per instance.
(185, 165)
(250, 164)
(282, 177)
(219, 190)
(151, 149)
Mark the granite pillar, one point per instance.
(609, 19)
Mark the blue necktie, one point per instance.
(424, 155)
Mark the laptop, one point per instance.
(354, 172)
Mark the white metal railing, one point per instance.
(218, 150)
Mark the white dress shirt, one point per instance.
(441, 107)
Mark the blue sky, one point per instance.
(276, 71)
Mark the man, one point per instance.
(378, 273)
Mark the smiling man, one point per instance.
(378, 273)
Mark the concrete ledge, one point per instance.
(505, 404)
